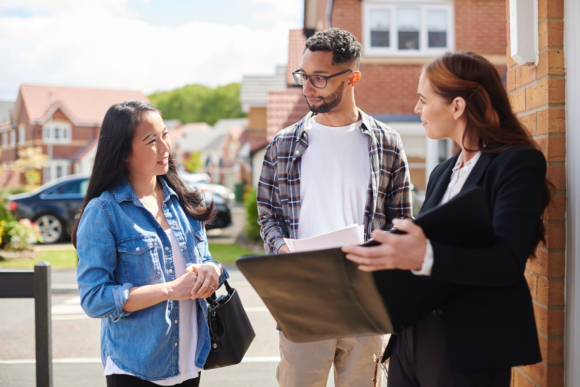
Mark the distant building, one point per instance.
(64, 121)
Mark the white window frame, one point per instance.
(48, 131)
(50, 169)
(12, 138)
(393, 50)
(21, 135)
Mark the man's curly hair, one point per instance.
(343, 45)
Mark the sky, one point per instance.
(146, 45)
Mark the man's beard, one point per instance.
(328, 103)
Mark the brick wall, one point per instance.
(537, 95)
(392, 88)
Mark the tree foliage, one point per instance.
(198, 103)
(194, 162)
(30, 161)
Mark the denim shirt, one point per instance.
(120, 244)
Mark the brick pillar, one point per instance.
(538, 98)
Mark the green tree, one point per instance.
(251, 204)
(30, 161)
(199, 103)
(194, 163)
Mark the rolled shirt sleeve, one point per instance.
(101, 296)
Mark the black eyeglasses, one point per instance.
(318, 81)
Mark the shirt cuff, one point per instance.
(278, 243)
(427, 262)
(121, 294)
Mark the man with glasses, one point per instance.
(336, 167)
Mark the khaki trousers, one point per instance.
(308, 364)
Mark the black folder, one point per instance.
(319, 295)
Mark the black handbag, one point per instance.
(230, 330)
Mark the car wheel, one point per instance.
(51, 228)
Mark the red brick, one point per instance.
(556, 209)
(519, 380)
(550, 292)
(550, 33)
(554, 148)
(547, 264)
(551, 62)
(530, 123)
(532, 281)
(550, 9)
(551, 121)
(525, 75)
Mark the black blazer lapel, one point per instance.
(441, 184)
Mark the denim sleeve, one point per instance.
(207, 258)
(101, 296)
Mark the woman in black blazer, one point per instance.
(477, 337)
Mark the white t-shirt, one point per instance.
(334, 178)
(187, 330)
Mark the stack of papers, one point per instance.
(350, 235)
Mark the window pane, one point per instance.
(380, 28)
(437, 28)
(58, 171)
(408, 40)
(408, 22)
(56, 133)
(437, 39)
(437, 20)
(408, 19)
(380, 19)
(380, 39)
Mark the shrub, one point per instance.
(18, 235)
(251, 204)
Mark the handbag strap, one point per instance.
(212, 299)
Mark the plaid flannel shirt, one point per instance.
(389, 191)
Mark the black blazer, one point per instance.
(491, 324)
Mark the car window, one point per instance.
(76, 187)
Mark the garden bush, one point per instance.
(251, 205)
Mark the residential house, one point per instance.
(254, 99)
(183, 140)
(63, 121)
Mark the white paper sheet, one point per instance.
(350, 235)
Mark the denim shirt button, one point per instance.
(184, 247)
(176, 321)
(136, 202)
(138, 248)
(170, 271)
(166, 248)
(176, 344)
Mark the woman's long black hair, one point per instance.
(114, 146)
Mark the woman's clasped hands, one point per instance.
(207, 280)
(396, 251)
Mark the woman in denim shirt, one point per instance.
(144, 265)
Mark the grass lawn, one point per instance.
(67, 259)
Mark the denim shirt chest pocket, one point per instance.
(139, 259)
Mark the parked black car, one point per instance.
(53, 207)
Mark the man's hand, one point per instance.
(284, 250)
(207, 280)
(396, 251)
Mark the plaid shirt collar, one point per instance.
(303, 124)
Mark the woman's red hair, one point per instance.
(488, 114)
